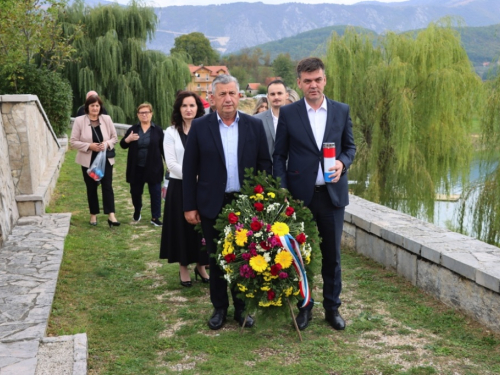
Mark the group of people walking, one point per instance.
(207, 155)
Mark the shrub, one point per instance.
(53, 91)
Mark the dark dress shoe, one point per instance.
(247, 319)
(336, 321)
(217, 319)
(303, 319)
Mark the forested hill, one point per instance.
(481, 43)
(234, 26)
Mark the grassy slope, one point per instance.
(139, 320)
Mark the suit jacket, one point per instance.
(295, 142)
(267, 120)
(81, 138)
(204, 167)
(153, 172)
(174, 152)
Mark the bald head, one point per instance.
(91, 93)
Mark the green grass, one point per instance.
(139, 320)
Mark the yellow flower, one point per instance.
(288, 291)
(237, 213)
(280, 229)
(228, 269)
(296, 293)
(249, 295)
(242, 288)
(259, 197)
(253, 197)
(308, 260)
(271, 194)
(241, 237)
(265, 288)
(277, 303)
(265, 304)
(284, 258)
(228, 247)
(258, 263)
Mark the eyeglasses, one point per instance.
(143, 113)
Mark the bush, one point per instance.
(53, 91)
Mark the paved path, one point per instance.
(29, 266)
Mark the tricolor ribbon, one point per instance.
(291, 245)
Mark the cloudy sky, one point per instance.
(164, 3)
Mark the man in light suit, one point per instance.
(219, 148)
(276, 96)
(303, 127)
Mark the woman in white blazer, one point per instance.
(91, 133)
(180, 242)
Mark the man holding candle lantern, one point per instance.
(299, 160)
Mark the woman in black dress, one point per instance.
(180, 242)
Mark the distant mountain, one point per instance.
(481, 43)
(231, 27)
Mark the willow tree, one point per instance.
(113, 60)
(482, 200)
(412, 98)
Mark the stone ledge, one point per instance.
(446, 264)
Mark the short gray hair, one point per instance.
(225, 79)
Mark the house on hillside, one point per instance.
(252, 88)
(202, 78)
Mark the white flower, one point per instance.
(227, 230)
(267, 257)
(258, 234)
(228, 278)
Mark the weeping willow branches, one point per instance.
(113, 60)
(412, 100)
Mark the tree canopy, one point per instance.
(30, 34)
(198, 47)
(284, 67)
(412, 100)
(113, 60)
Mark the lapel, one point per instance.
(270, 123)
(302, 112)
(242, 134)
(330, 116)
(213, 125)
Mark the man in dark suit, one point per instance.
(303, 127)
(277, 96)
(220, 146)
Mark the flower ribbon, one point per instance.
(291, 245)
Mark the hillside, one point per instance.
(481, 43)
(234, 26)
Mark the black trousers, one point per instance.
(137, 188)
(108, 196)
(218, 285)
(330, 222)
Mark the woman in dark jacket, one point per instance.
(145, 162)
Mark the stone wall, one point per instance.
(31, 156)
(8, 207)
(459, 270)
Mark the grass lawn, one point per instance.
(139, 320)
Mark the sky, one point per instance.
(165, 3)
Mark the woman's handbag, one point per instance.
(98, 166)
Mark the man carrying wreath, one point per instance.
(302, 129)
(220, 146)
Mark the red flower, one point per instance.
(255, 225)
(264, 245)
(258, 189)
(230, 257)
(270, 294)
(233, 219)
(276, 269)
(289, 211)
(258, 206)
(301, 238)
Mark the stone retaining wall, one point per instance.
(459, 270)
(30, 159)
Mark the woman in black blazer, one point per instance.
(145, 162)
